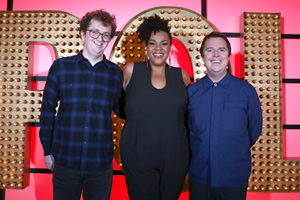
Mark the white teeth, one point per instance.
(97, 43)
(216, 61)
(158, 54)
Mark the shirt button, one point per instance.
(84, 142)
(215, 84)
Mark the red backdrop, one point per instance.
(225, 16)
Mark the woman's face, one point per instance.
(158, 48)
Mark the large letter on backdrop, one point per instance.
(20, 106)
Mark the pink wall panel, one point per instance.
(37, 153)
(123, 10)
(292, 148)
(235, 59)
(225, 14)
(291, 66)
(40, 189)
(3, 5)
(291, 96)
(43, 56)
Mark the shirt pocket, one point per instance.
(235, 118)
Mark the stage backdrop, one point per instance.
(225, 16)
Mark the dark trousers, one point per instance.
(68, 184)
(205, 192)
(153, 184)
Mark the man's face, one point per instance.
(216, 56)
(95, 47)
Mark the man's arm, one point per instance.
(48, 111)
(255, 116)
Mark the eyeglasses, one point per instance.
(95, 34)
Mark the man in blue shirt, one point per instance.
(77, 140)
(225, 120)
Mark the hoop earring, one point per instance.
(169, 61)
(146, 60)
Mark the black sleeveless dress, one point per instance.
(154, 146)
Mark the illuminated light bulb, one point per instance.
(254, 59)
(254, 73)
(269, 81)
(262, 164)
(261, 179)
(254, 44)
(293, 164)
(262, 156)
(247, 58)
(277, 156)
(277, 149)
(254, 187)
(247, 51)
(247, 22)
(115, 139)
(269, 156)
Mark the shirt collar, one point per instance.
(80, 57)
(223, 83)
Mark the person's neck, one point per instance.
(158, 68)
(216, 78)
(93, 59)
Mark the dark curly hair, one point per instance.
(100, 15)
(152, 24)
(215, 35)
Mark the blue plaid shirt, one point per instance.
(79, 135)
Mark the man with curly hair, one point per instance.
(77, 139)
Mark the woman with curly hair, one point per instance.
(154, 145)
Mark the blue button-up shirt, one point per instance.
(79, 134)
(225, 120)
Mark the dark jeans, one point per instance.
(69, 183)
(204, 192)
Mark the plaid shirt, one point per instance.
(79, 136)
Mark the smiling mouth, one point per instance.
(158, 54)
(216, 61)
(98, 43)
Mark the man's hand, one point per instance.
(49, 161)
